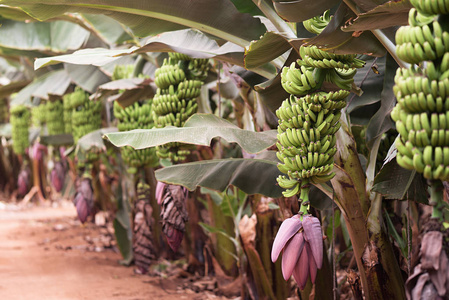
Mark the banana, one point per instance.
(418, 162)
(427, 155)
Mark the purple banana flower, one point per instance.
(57, 176)
(302, 244)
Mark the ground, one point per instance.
(45, 253)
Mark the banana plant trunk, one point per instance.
(350, 189)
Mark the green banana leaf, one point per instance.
(51, 83)
(253, 176)
(107, 29)
(56, 140)
(130, 90)
(188, 41)
(218, 18)
(395, 182)
(89, 78)
(381, 121)
(389, 14)
(247, 7)
(199, 129)
(270, 46)
(49, 38)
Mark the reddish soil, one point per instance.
(45, 253)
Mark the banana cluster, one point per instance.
(20, 120)
(179, 81)
(55, 124)
(431, 7)
(175, 99)
(136, 116)
(424, 40)
(317, 24)
(4, 111)
(38, 115)
(309, 118)
(86, 114)
(422, 92)
(122, 72)
(67, 114)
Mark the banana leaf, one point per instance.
(144, 18)
(253, 176)
(51, 83)
(199, 129)
(301, 10)
(48, 38)
(391, 13)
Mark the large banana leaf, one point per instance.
(199, 129)
(106, 28)
(87, 77)
(218, 18)
(52, 83)
(188, 41)
(133, 89)
(43, 37)
(395, 182)
(253, 176)
(391, 13)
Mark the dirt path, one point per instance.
(45, 254)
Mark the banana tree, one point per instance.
(360, 27)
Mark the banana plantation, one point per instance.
(230, 149)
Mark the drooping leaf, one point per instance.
(199, 129)
(395, 182)
(94, 139)
(44, 37)
(188, 41)
(301, 10)
(247, 7)
(370, 79)
(56, 140)
(381, 121)
(271, 91)
(13, 87)
(109, 30)
(218, 18)
(52, 83)
(89, 78)
(270, 46)
(123, 229)
(253, 176)
(133, 89)
(389, 14)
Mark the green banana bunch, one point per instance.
(136, 116)
(422, 90)
(309, 118)
(38, 115)
(179, 81)
(86, 114)
(20, 121)
(67, 114)
(122, 72)
(54, 111)
(431, 7)
(425, 39)
(317, 24)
